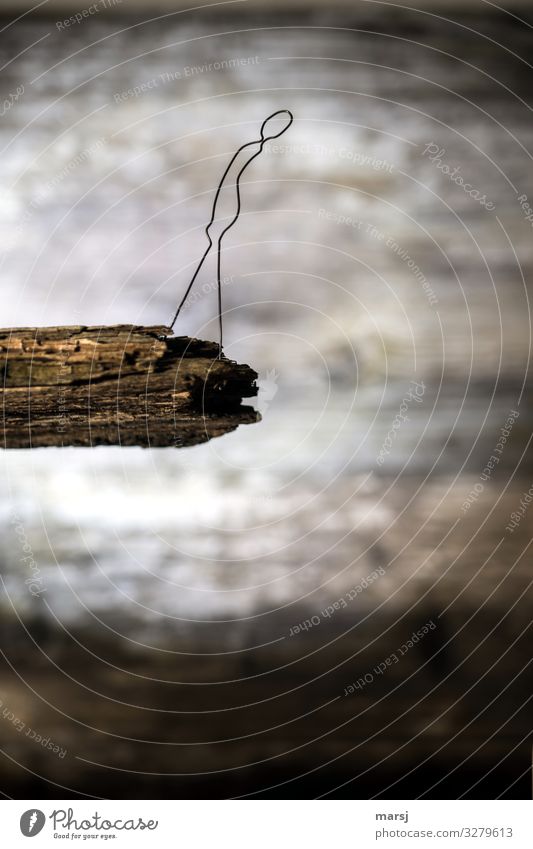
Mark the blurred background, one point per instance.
(237, 618)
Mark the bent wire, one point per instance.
(261, 142)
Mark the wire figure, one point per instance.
(261, 142)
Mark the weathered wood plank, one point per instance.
(117, 385)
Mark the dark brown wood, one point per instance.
(117, 385)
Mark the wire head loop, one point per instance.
(283, 128)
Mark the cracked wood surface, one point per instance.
(117, 385)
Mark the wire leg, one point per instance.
(219, 285)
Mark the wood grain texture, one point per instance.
(117, 385)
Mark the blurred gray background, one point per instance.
(158, 652)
